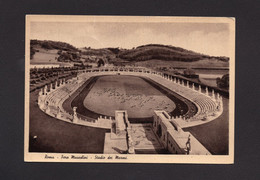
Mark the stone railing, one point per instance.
(210, 105)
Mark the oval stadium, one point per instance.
(127, 110)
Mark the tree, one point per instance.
(100, 62)
(32, 52)
(223, 82)
(189, 72)
(59, 52)
(46, 45)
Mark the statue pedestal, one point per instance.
(41, 105)
(131, 150)
(48, 110)
(75, 119)
(58, 115)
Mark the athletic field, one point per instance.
(130, 93)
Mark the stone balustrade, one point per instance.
(59, 92)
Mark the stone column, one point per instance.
(193, 86)
(45, 89)
(214, 95)
(200, 88)
(207, 91)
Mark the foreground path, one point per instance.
(54, 135)
(214, 135)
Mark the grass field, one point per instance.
(129, 93)
(209, 82)
(77, 100)
(204, 63)
(44, 56)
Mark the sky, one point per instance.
(207, 38)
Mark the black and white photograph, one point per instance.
(129, 89)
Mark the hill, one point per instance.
(163, 52)
(152, 54)
(47, 44)
(59, 52)
(53, 52)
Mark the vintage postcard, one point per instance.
(122, 89)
